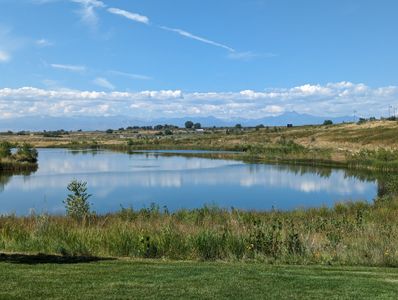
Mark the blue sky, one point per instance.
(227, 58)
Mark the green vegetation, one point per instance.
(76, 204)
(46, 277)
(24, 158)
(189, 124)
(381, 159)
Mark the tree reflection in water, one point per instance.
(5, 177)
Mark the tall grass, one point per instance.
(348, 234)
(380, 159)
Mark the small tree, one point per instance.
(189, 124)
(238, 126)
(328, 122)
(76, 204)
(197, 126)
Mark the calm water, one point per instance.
(140, 179)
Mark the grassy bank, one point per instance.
(348, 234)
(33, 277)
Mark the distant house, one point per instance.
(200, 130)
(289, 125)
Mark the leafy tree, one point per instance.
(197, 126)
(109, 131)
(189, 124)
(238, 126)
(76, 204)
(328, 122)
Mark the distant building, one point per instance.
(289, 125)
(200, 130)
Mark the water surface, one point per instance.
(139, 179)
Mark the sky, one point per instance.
(222, 58)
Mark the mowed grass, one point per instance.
(146, 279)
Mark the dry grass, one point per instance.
(370, 135)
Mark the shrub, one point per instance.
(5, 149)
(76, 204)
(26, 153)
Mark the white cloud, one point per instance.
(330, 100)
(71, 68)
(89, 16)
(145, 20)
(197, 38)
(44, 43)
(103, 82)
(249, 55)
(129, 75)
(273, 109)
(9, 43)
(129, 15)
(4, 56)
(88, 10)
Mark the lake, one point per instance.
(136, 180)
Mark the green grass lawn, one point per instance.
(23, 277)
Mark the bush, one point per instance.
(26, 153)
(5, 149)
(328, 122)
(168, 132)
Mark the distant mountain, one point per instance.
(103, 123)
